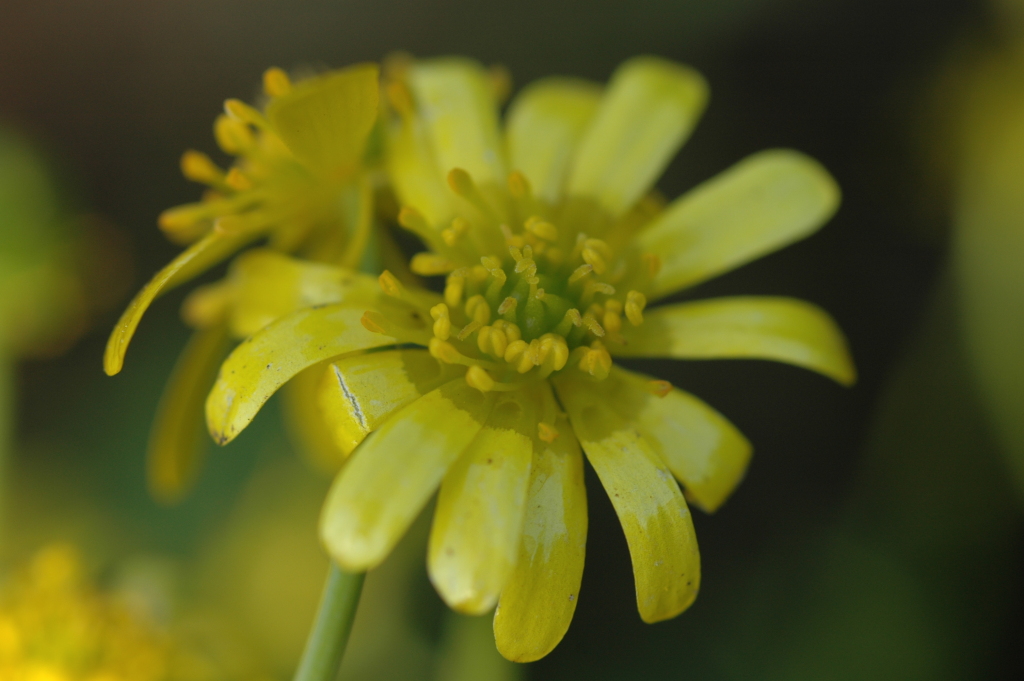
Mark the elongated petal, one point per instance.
(650, 108)
(413, 170)
(474, 540)
(454, 97)
(269, 285)
(392, 475)
(537, 604)
(177, 441)
(651, 509)
(764, 202)
(754, 327)
(306, 421)
(198, 257)
(358, 394)
(545, 123)
(325, 120)
(702, 449)
(265, 362)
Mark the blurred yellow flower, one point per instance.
(552, 247)
(54, 626)
(297, 183)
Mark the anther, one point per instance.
(373, 321)
(571, 319)
(507, 305)
(237, 180)
(478, 378)
(518, 185)
(400, 98)
(546, 433)
(659, 388)
(453, 289)
(198, 167)
(477, 309)
(442, 321)
(592, 326)
(580, 272)
(445, 351)
(390, 284)
(229, 224)
(635, 304)
(596, 361)
(232, 136)
(243, 113)
(430, 264)
(413, 220)
(594, 259)
(452, 234)
(541, 228)
(276, 82)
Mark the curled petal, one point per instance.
(377, 495)
(269, 359)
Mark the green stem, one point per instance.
(326, 644)
(7, 407)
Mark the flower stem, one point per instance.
(326, 644)
(7, 407)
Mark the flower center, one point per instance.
(526, 300)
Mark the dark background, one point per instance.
(808, 568)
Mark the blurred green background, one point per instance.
(877, 534)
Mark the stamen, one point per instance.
(452, 234)
(413, 220)
(243, 113)
(572, 318)
(546, 432)
(468, 329)
(492, 340)
(390, 284)
(635, 304)
(453, 289)
(229, 224)
(612, 318)
(593, 258)
(477, 309)
(519, 186)
(595, 360)
(511, 330)
(659, 388)
(400, 98)
(198, 167)
(208, 305)
(462, 184)
(501, 83)
(580, 272)
(430, 264)
(507, 305)
(442, 321)
(477, 378)
(592, 326)
(232, 136)
(237, 180)
(276, 82)
(541, 228)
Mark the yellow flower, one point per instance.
(297, 182)
(55, 626)
(552, 248)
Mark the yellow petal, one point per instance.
(764, 202)
(394, 472)
(177, 440)
(358, 394)
(754, 327)
(474, 540)
(702, 449)
(198, 257)
(538, 603)
(649, 109)
(545, 123)
(414, 172)
(325, 120)
(307, 423)
(454, 97)
(262, 364)
(651, 509)
(269, 285)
